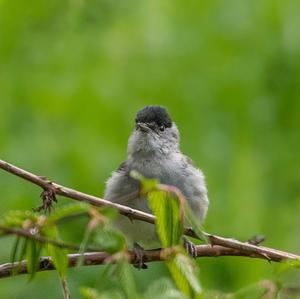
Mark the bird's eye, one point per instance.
(162, 127)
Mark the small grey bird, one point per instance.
(153, 151)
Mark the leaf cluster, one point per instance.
(37, 235)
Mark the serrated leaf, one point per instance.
(109, 213)
(184, 274)
(193, 222)
(166, 207)
(68, 211)
(163, 289)
(147, 185)
(189, 270)
(126, 279)
(109, 240)
(106, 238)
(59, 258)
(180, 281)
(89, 293)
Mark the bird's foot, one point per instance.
(139, 256)
(256, 240)
(190, 247)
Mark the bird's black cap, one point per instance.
(155, 114)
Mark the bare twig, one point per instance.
(233, 246)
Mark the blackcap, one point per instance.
(154, 152)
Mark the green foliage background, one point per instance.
(74, 73)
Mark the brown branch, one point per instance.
(73, 194)
(100, 258)
(235, 247)
(248, 249)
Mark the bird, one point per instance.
(154, 152)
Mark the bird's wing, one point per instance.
(195, 188)
(121, 187)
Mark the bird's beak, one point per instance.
(143, 127)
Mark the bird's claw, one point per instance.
(139, 257)
(189, 247)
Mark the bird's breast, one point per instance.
(164, 168)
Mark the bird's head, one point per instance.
(154, 132)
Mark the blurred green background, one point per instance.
(74, 73)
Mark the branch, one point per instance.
(34, 235)
(51, 187)
(251, 250)
(213, 250)
(101, 258)
(235, 247)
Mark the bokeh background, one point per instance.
(74, 73)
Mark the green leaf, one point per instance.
(109, 239)
(179, 278)
(109, 213)
(59, 258)
(21, 254)
(89, 293)
(287, 265)
(163, 289)
(147, 185)
(33, 250)
(50, 231)
(83, 246)
(192, 222)
(126, 279)
(15, 250)
(263, 289)
(166, 208)
(188, 268)
(68, 211)
(16, 218)
(184, 274)
(14, 255)
(23, 249)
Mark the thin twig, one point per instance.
(250, 249)
(34, 235)
(65, 287)
(239, 248)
